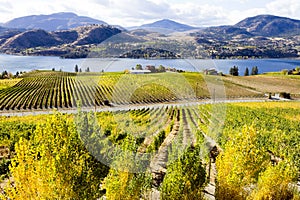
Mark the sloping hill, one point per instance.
(53, 22)
(223, 32)
(92, 34)
(269, 25)
(29, 39)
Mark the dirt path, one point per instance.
(124, 107)
(149, 139)
(158, 165)
(189, 138)
(213, 148)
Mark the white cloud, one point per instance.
(284, 7)
(199, 14)
(237, 15)
(136, 12)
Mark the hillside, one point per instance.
(53, 22)
(150, 53)
(269, 25)
(6, 33)
(31, 39)
(93, 34)
(262, 36)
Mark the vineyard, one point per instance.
(40, 90)
(251, 149)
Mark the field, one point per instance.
(165, 149)
(268, 83)
(42, 90)
(252, 149)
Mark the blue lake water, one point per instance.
(27, 63)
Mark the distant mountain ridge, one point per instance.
(92, 34)
(165, 26)
(260, 37)
(270, 25)
(257, 26)
(52, 22)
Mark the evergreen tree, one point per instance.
(76, 68)
(234, 71)
(4, 74)
(254, 70)
(246, 72)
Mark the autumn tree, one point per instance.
(185, 176)
(161, 68)
(127, 178)
(54, 164)
(138, 67)
(245, 170)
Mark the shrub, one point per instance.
(185, 177)
(274, 183)
(54, 164)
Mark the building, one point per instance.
(211, 71)
(139, 71)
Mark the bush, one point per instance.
(285, 95)
(234, 71)
(185, 177)
(54, 164)
(4, 167)
(274, 183)
(122, 182)
(158, 140)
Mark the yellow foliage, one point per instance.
(52, 165)
(283, 105)
(275, 183)
(239, 165)
(245, 171)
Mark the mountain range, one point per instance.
(62, 33)
(262, 25)
(164, 26)
(93, 34)
(269, 25)
(53, 22)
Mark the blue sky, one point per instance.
(136, 12)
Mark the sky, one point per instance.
(136, 12)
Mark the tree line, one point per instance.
(234, 71)
(77, 69)
(9, 75)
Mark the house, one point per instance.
(139, 71)
(211, 71)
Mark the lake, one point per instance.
(27, 63)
